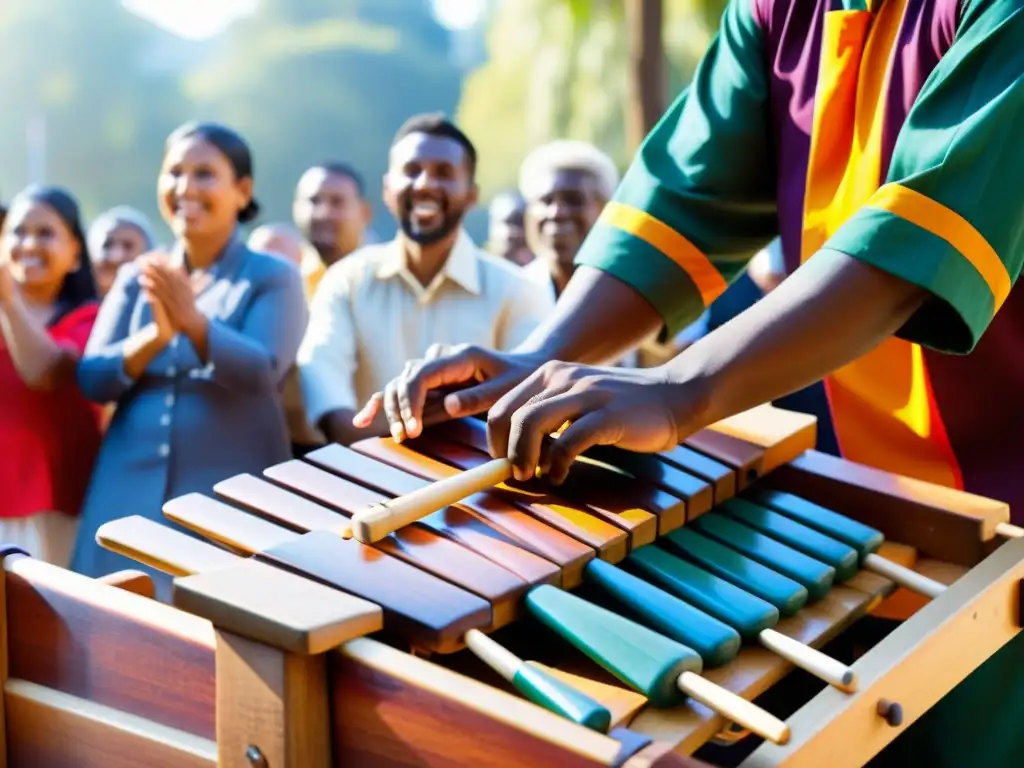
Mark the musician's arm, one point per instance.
(696, 204)
(930, 258)
(816, 321)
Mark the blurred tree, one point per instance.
(567, 68)
(81, 67)
(326, 79)
(302, 80)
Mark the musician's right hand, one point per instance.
(404, 397)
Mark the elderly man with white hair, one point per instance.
(565, 185)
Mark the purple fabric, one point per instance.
(981, 411)
(980, 401)
(793, 32)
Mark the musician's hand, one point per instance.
(404, 397)
(639, 410)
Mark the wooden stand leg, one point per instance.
(6, 550)
(272, 707)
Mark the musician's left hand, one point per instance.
(639, 410)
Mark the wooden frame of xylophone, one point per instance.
(267, 667)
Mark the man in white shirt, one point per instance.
(389, 303)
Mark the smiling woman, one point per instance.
(49, 433)
(192, 345)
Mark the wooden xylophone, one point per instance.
(628, 590)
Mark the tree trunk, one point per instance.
(647, 74)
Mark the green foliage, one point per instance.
(302, 80)
(557, 69)
(73, 62)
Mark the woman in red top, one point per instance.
(49, 433)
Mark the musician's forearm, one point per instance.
(597, 319)
(828, 313)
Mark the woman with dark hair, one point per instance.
(192, 346)
(49, 433)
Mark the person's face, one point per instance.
(428, 187)
(123, 243)
(198, 193)
(330, 212)
(507, 235)
(40, 249)
(564, 207)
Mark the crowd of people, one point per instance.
(134, 372)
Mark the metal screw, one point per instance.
(255, 757)
(891, 712)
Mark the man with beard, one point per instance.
(506, 235)
(332, 212)
(430, 285)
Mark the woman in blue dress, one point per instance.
(192, 346)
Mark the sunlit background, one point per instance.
(90, 88)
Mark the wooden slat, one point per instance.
(721, 477)
(180, 554)
(418, 544)
(915, 665)
(610, 541)
(756, 668)
(49, 728)
(109, 646)
(528, 531)
(280, 506)
(617, 496)
(757, 441)
(430, 612)
(782, 435)
(277, 608)
(941, 523)
(139, 582)
(394, 709)
(453, 522)
(598, 496)
(667, 475)
(746, 459)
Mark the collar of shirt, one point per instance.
(461, 267)
(537, 271)
(233, 251)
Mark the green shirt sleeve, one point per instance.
(698, 200)
(950, 217)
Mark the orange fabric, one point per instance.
(882, 409)
(705, 276)
(949, 225)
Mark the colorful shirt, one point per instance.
(890, 133)
(48, 438)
